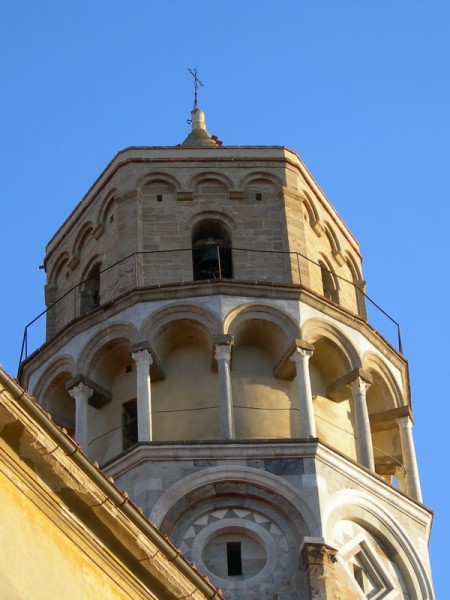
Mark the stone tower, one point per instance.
(208, 345)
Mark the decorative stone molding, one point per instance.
(318, 228)
(293, 194)
(98, 231)
(185, 195)
(236, 194)
(339, 258)
(74, 262)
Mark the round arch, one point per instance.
(158, 321)
(249, 178)
(313, 330)
(91, 352)
(82, 237)
(55, 369)
(217, 176)
(106, 207)
(155, 177)
(60, 263)
(359, 507)
(264, 312)
(201, 484)
(384, 380)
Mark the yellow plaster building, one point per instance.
(66, 530)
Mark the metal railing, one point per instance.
(158, 268)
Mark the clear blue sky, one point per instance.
(360, 89)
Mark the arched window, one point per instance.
(211, 250)
(329, 283)
(90, 290)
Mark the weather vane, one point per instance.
(197, 82)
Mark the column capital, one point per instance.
(142, 357)
(315, 553)
(359, 385)
(81, 391)
(342, 387)
(405, 422)
(222, 352)
(98, 397)
(301, 350)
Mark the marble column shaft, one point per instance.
(223, 356)
(143, 360)
(301, 358)
(81, 394)
(364, 446)
(409, 458)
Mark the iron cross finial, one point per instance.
(197, 82)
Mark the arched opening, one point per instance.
(211, 250)
(185, 404)
(59, 404)
(90, 290)
(329, 283)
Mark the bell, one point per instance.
(209, 264)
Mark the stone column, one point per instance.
(359, 387)
(143, 360)
(302, 353)
(409, 458)
(318, 562)
(81, 394)
(222, 353)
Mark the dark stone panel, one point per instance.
(291, 466)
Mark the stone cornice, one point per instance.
(264, 449)
(191, 290)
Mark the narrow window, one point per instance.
(211, 250)
(330, 290)
(234, 558)
(258, 196)
(129, 424)
(159, 197)
(90, 291)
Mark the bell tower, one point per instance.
(208, 345)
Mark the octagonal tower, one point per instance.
(208, 345)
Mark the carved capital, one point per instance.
(81, 392)
(318, 554)
(302, 352)
(142, 358)
(222, 352)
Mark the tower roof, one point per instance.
(199, 136)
